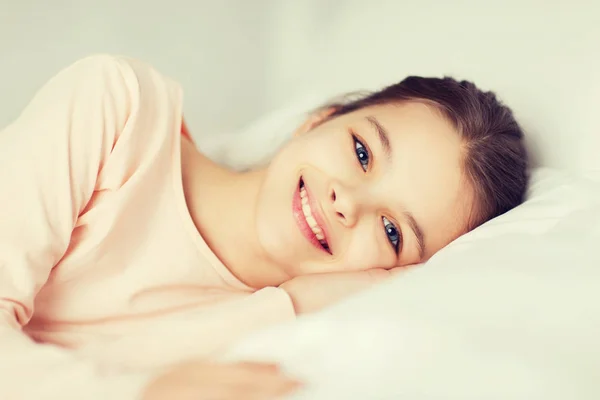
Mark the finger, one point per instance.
(264, 391)
(378, 274)
(284, 388)
(234, 375)
(268, 381)
(269, 390)
(216, 370)
(266, 367)
(260, 376)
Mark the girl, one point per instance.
(124, 251)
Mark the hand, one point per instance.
(313, 292)
(212, 381)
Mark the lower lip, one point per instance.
(301, 220)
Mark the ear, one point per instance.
(314, 120)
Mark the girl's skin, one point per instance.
(416, 190)
(372, 189)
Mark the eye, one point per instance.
(393, 234)
(362, 153)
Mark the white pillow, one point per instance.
(256, 144)
(509, 311)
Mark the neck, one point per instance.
(222, 204)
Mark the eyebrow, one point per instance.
(414, 226)
(384, 139)
(383, 135)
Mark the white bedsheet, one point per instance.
(510, 311)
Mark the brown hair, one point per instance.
(495, 160)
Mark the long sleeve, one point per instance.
(202, 333)
(50, 159)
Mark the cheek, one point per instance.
(329, 152)
(364, 251)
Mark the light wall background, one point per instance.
(217, 50)
(240, 59)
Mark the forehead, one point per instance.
(425, 176)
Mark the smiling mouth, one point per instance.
(310, 219)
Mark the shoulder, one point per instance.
(136, 109)
(119, 72)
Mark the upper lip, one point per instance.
(317, 213)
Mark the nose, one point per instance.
(345, 204)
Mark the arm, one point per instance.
(50, 158)
(200, 333)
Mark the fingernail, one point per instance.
(296, 384)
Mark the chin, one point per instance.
(275, 243)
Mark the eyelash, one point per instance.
(358, 146)
(364, 162)
(390, 228)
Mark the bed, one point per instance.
(508, 311)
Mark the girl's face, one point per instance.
(380, 187)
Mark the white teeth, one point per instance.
(312, 222)
(306, 209)
(310, 219)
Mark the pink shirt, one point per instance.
(103, 275)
